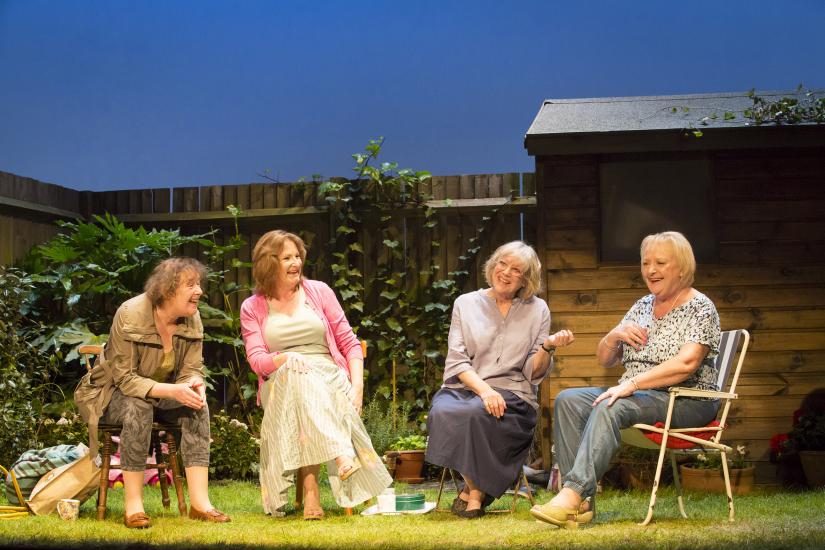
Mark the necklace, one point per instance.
(672, 303)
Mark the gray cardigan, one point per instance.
(499, 349)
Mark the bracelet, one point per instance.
(635, 385)
(546, 350)
(604, 339)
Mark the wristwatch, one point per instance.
(551, 349)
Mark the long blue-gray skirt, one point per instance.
(465, 437)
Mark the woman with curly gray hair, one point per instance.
(152, 367)
(482, 419)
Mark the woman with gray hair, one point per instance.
(482, 419)
(669, 337)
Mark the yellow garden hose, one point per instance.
(13, 512)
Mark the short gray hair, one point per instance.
(530, 275)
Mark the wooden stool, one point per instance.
(520, 479)
(107, 431)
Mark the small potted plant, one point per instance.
(807, 438)
(705, 473)
(409, 458)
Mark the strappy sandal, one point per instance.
(346, 470)
(313, 514)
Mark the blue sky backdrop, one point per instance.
(114, 94)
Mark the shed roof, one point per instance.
(571, 124)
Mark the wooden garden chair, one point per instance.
(664, 438)
(107, 431)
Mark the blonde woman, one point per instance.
(669, 337)
(482, 419)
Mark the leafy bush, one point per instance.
(401, 307)
(386, 422)
(235, 450)
(415, 442)
(24, 372)
(68, 429)
(808, 434)
(86, 272)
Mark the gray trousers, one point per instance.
(587, 437)
(136, 415)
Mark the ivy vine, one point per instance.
(402, 309)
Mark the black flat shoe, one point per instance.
(470, 514)
(459, 505)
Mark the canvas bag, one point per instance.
(79, 480)
(34, 464)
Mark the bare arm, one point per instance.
(543, 359)
(668, 373)
(609, 350)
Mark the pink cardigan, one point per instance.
(343, 345)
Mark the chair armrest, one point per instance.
(693, 392)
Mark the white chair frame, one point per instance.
(636, 435)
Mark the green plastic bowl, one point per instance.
(414, 501)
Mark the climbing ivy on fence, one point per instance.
(402, 309)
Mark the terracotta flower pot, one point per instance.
(712, 481)
(812, 465)
(408, 466)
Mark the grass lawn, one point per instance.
(764, 520)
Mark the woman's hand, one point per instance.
(561, 339)
(358, 400)
(616, 392)
(187, 395)
(493, 402)
(629, 332)
(199, 387)
(297, 362)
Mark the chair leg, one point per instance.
(299, 489)
(177, 475)
(656, 479)
(677, 482)
(161, 467)
(104, 474)
(727, 484)
(441, 486)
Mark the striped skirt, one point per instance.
(309, 419)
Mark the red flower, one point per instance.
(796, 414)
(778, 442)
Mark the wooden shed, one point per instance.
(751, 199)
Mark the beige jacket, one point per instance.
(133, 352)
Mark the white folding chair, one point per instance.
(684, 439)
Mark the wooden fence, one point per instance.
(28, 209)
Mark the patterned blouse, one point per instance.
(695, 321)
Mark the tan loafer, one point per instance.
(214, 515)
(137, 521)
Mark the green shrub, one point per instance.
(235, 450)
(68, 429)
(415, 442)
(386, 422)
(24, 372)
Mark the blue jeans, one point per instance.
(587, 437)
